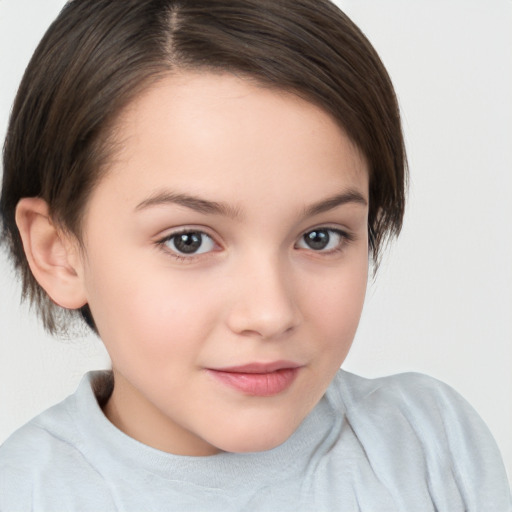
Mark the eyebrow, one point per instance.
(213, 207)
(194, 203)
(347, 197)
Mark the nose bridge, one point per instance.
(264, 302)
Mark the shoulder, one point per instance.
(419, 405)
(40, 462)
(405, 391)
(26, 456)
(416, 403)
(44, 446)
(414, 423)
(34, 443)
(360, 387)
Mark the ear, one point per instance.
(52, 256)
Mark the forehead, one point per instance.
(215, 133)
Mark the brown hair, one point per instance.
(99, 54)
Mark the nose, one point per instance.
(264, 303)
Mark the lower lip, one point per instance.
(258, 384)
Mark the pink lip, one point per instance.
(258, 379)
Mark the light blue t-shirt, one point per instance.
(402, 443)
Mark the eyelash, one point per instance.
(345, 239)
(162, 243)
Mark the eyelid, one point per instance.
(161, 243)
(346, 235)
(179, 230)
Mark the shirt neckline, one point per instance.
(109, 449)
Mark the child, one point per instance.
(203, 183)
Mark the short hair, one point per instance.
(98, 55)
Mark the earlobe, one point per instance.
(51, 256)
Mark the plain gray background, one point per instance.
(442, 301)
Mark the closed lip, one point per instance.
(259, 367)
(258, 379)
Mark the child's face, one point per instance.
(196, 263)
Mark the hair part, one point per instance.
(99, 55)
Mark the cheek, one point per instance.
(336, 306)
(147, 312)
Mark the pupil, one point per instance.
(188, 242)
(317, 239)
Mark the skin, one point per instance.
(254, 292)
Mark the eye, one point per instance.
(189, 242)
(322, 240)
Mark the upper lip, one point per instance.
(259, 367)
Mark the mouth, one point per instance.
(258, 379)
